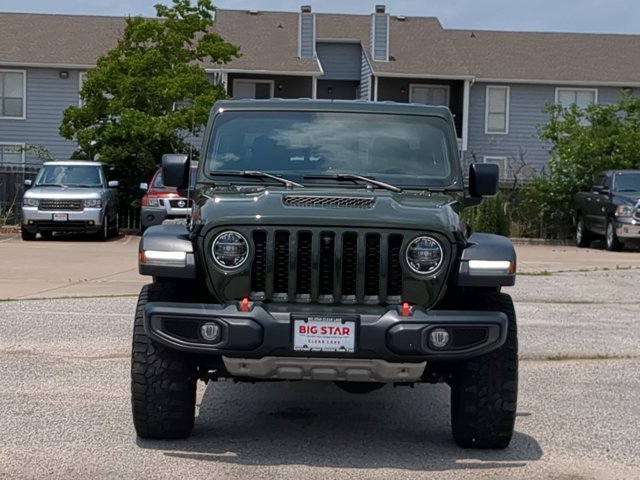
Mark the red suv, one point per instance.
(161, 203)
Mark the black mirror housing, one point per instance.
(28, 183)
(599, 189)
(483, 179)
(175, 170)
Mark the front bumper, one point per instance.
(628, 229)
(86, 220)
(150, 216)
(382, 332)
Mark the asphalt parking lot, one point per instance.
(65, 335)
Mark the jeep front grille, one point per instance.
(60, 205)
(341, 266)
(311, 201)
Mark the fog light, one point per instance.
(210, 332)
(439, 337)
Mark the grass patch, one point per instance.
(598, 356)
(543, 273)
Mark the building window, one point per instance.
(497, 110)
(259, 89)
(429, 94)
(11, 153)
(502, 163)
(12, 94)
(581, 97)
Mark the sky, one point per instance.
(587, 16)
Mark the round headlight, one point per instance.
(424, 255)
(230, 250)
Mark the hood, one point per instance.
(52, 193)
(335, 207)
(630, 198)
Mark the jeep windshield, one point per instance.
(322, 148)
(85, 176)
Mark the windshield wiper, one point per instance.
(353, 178)
(258, 174)
(50, 185)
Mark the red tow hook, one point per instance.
(244, 305)
(406, 309)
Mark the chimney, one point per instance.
(380, 34)
(307, 33)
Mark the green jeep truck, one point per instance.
(326, 243)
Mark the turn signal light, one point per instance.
(406, 309)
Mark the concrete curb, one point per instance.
(15, 230)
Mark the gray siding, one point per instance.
(365, 78)
(526, 116)
(340, 61)
(47, 97)
(307, 36)
(380, 37)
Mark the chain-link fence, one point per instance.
(12, 177)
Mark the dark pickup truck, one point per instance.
(611, 209)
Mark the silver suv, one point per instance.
(70, 196)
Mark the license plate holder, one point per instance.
(325, 333)
(60, 217)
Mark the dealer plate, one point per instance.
(321, 333)
(60, 217)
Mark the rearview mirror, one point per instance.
(28, 183)
(175, 170)
(483, 179)
(113, 184)
(600, 189)
(144, 186)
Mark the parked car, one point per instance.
(161, 203)
(70, 196)
(611, 209)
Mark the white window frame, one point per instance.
(507, 107)
(429, 85)
(271, 83)
(570, 89)
(501, 161)
(15, 144)
(24, 95)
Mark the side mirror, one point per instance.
(144, 186)
(175, 170)
(113, 184)
(28, 183)
(483, 179)
(600, 189)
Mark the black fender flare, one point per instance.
(488, 260)
(173, 242)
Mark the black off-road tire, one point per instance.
(484, 390)
(27, 236)
(163, 381)
(611, 240)
(583, 237)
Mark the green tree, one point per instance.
(149, 94)
(584, 143)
